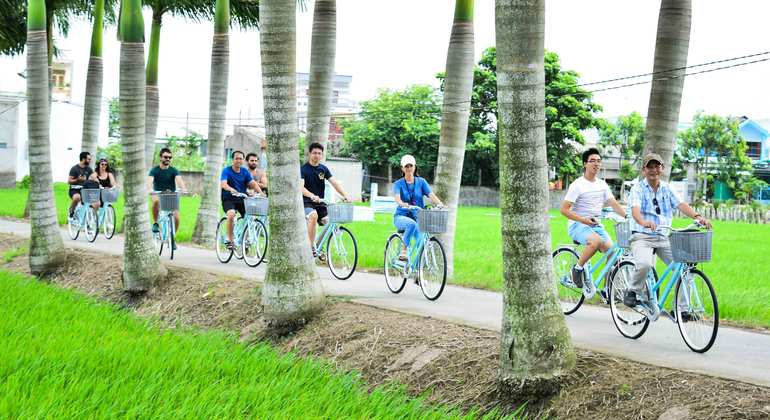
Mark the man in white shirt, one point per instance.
(583, 207)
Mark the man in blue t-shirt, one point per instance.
(235, 181)
(314, 176)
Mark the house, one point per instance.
(757, 138)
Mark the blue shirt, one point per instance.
(411, 194)
(237, 180)
(644, 197)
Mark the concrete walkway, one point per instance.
(737, 354)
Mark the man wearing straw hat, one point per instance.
(652, 207)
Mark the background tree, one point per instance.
(46, 249)
(322, 52)
(535, 349)
(671, 46)
(626, 136)
(141, 265)
(292, 291)
(92, 106)
(393, 124)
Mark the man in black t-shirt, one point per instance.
(164, 177)
(78, 176)
(314, 176)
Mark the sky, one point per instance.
(397, 43)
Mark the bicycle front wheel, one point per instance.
(224, 254)
(395, 268)
(630, 322)
(92, 224)
(109, 222)
(570, 296)
(171, 238)
(342, 253)
(254, 243)
(73, 225)
(432, 269)
(697, 312)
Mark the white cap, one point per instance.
(407, 159)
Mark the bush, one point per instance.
(24, 183)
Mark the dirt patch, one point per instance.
(445, 362)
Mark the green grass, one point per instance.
(12, 253)
(68, 356)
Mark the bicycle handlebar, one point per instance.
(180, 192)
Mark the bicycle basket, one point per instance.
(340, 213)
(433, 221)
(169, 201)
(691, 247)
(255, 206)
(90, 195)
(110, 195)
(623, 234)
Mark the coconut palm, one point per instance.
(93, 101)
(454, 120)
(322, 51)
(671, 46)
(535, 342)
(292, 291)
(205, 226)
(141, 265)
(46, 249)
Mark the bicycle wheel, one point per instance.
(92, 224)
(432, 269)
(570, 296)
(73, 224)
(109, 222)
(342, 253)
(697, 311)
(254, 239)
(239, 223)
(395, 269)
(630, 322)
(171, 238)
(223, 253)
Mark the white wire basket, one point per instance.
(623, 234)
(255, 206)
(433, 220)
(90, 195)
(691, 247)
(340, 212)
(169, 201)
(109, 195)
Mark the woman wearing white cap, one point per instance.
(409, 191)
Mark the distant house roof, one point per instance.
(748, 122)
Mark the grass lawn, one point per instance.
(740, 270)
(68, 356)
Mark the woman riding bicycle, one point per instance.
(409, 191)
(103, 175)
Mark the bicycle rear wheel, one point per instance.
(109, 222)
(570, 296)
(223, 253)
(697, 311)
(254, 243)
(395, 269)
(92, 224)
(432, 269)
(341, 253)
(630, 322)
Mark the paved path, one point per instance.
(737, 354)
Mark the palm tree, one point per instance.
(93, 101)
(671, 46)
(205, 226)
(536, 348)
(292, 291)
(141, 265)
(46, 249)
(322, 51)
(454, 121)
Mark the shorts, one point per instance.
(234, 204)
(318, 208)
(579, 232)
(73, 191)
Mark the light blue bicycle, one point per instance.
(85, 217)
(106, 212)
(250, 233)
(165, 237)
(335, 243)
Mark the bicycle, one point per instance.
(85, 217)
(106, 212)
(165, 237)
(565, 257)
(425, 258)
(696, 310)
(250, 234)
(335, 243)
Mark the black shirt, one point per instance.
(77, 171)
(315, 177)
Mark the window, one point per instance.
(754, 149)
(58, 78)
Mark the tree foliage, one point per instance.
(626, 135)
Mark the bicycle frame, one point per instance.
(166, 224)
(322, 237)
(607, 261)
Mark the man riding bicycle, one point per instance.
(164, 177)
(652, 207)
(583, 207)
(78, 175)
(314, 176)
(235, 182)
(259, 174)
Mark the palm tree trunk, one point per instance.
(322, 51)
(292, 292)
(93, 102)
(454, 121)
(671, 46)
(535, 349)
(141, 265)
(46, 249)
(152, 92)
(206, 224)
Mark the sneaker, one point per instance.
(155, 228)
(603, 294)
(72, 214)
(630, 299)
(577, 276)
(230, 246)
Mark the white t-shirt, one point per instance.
(588, 197)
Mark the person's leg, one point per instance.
(230, 222)
(641, 251)
(155, 212)
(74, 202)
(312, 218)
(176, 221)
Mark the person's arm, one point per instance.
(263, 180)
(113, 182)
(690, 212)
(566, 210)
(255, 186)
(149, 183)
(434, 198)
(636, 213)
(308, 194)
(226, 187)
(617, 207)
(180, 183)
(74, 177)
(338, 186)
(93, 177)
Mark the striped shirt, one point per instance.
(642, 196)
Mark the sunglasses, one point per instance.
(655, 203)
(165, 157)
(594, 161)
